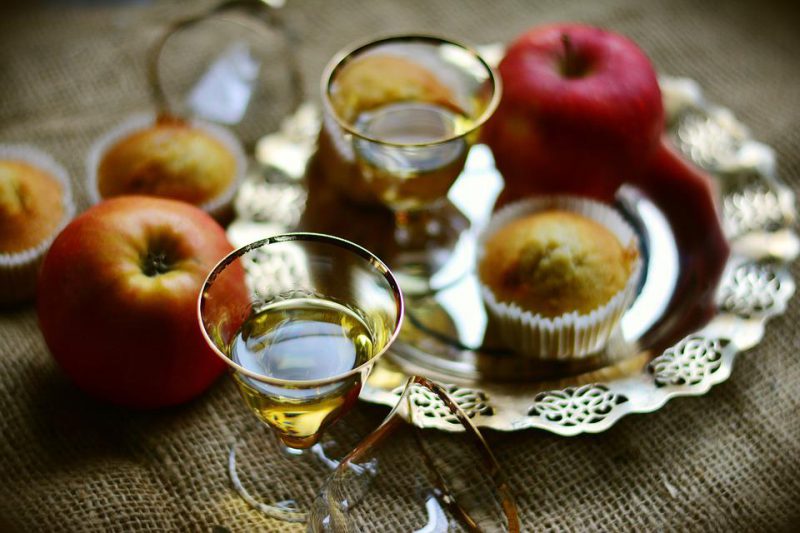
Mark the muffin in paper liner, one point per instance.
(218, 207)
(19, 270)
(571, 335)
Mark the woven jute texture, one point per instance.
(728, 461)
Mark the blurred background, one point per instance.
(70, 70)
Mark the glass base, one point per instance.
(428, 271)
(279, 481)
(433, 249)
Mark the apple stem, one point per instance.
(572, 67)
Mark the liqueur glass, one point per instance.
(300, 319)
(409, 108)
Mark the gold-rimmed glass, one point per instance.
(411, 106)
(300, 319)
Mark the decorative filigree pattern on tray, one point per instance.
(689, 362)
(575, 406)
(755, 289)
(752, 209)
(758, 214)
(428, 405)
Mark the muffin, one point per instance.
(189, 161)
(557, 273)
(35, 204)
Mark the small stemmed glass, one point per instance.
(300, 319)
(411, 106)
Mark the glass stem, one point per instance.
(414, 228)
(402, 228)
(292, 452)
(286, 450)
(315, 452)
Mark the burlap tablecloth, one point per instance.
(726, 461)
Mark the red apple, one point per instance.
(581, 112)
(117, 300)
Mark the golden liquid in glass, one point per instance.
(298, 340)
(410, 177)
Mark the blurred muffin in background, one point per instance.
(35, 204)
(198, 163)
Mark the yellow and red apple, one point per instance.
(117, 300)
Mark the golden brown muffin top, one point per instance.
(170, 159)
(369, 82)
(555, 262)
(31, 206)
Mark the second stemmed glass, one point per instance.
(411, 106)
(300, 319)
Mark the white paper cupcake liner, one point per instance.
(216, 207)
(572, 335)
(19, 270)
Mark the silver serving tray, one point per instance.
(448, 338)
